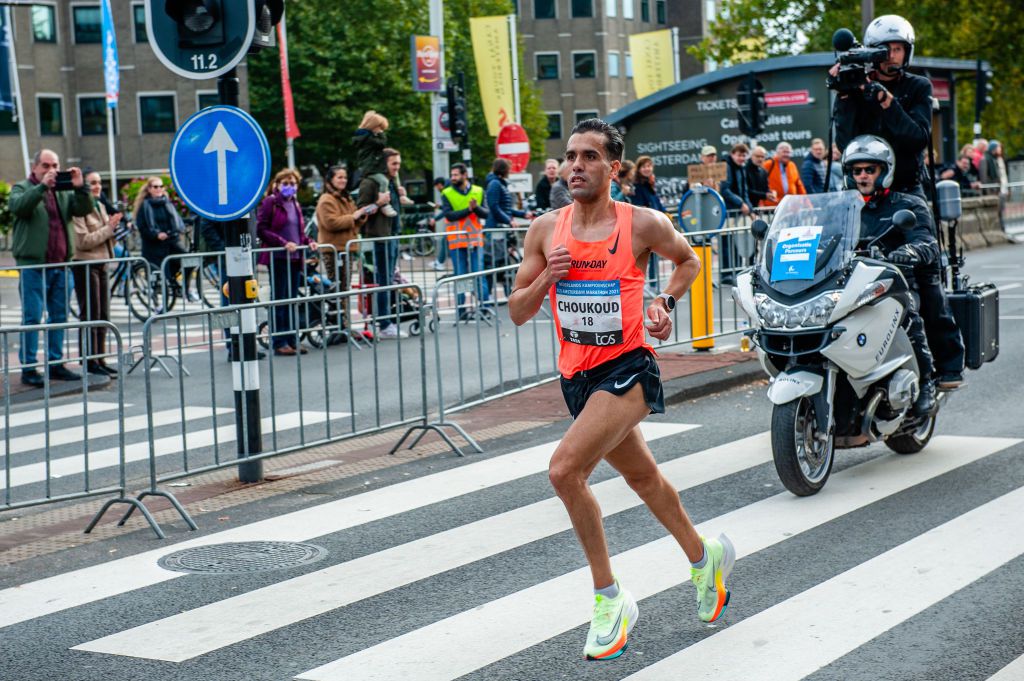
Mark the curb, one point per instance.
(706, 383)
(24, 394)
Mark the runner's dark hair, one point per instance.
(613, 143)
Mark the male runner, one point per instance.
(591, 256)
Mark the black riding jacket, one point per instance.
(906, 124)
(876, 220)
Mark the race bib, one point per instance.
(590, 312)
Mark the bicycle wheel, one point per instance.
(138, 294)
(208, 286)
(423, 244)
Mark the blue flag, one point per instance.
(6, 45)
(111, 76)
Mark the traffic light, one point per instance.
(983, 92)
(455, 111)
(752, 110)
(268, 15)
(200, 22)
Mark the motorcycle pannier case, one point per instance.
(976, 309)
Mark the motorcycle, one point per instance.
(828, 318)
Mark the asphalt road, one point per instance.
(903, 567)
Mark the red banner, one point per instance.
(788, 98)
(291, 128)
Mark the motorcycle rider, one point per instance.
(869, 165)
(900, 111)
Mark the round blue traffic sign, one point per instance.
(220, 163)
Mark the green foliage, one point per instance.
(131, 190)
(956, 29)
(6, 218)
(345, 58)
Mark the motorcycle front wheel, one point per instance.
(803, 458)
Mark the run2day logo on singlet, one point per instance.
(590, 312)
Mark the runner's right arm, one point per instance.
(538, 271)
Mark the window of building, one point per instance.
(582, 8)
(547, 66)
(92, 115)
(584, 65)
(139, 23)
(8, 126)
(51, 115)
(627, 9)
(543, 9)
(156, 113)
(611, 7)
(629, 65)
(88, 24)
(645, 10)
(584, 115)
(554, 126)
(613, 64)
(205, 99)
(44, 24)
(659, 6)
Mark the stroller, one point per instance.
(407, 301)
(320, 323)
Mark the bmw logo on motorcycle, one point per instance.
(862, 340)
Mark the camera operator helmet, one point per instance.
(873, 149)
(891, 28)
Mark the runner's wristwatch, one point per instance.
(670, 300)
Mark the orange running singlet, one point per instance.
(599, 307)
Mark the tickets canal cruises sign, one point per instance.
(514, 145)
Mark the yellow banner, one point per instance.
(493, 55)
(653, 64)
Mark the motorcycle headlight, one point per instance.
(814, 312)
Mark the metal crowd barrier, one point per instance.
(379, 390)
(68, 466)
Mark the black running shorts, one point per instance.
(617, 376)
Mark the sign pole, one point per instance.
(441, 159)
(245, 371)
(19, 110)
(515, 65)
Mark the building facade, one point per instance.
(60, 73)
(578, 53)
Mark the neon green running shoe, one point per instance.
(612, 621)
(712, 596)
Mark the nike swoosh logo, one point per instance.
(613, 633)
(615, 246)
(625, 383)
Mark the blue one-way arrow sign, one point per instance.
(220, 163)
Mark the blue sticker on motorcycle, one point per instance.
(796, 253)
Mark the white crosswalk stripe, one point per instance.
(786, 639)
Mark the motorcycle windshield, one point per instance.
(811, 237)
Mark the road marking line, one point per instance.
(802, 634)
(139, 451)
(76, 434)
(1010, 287)
(472, 639)
(1011, 318)
(87, 585)
(1011, 672)
(197, 632)
(65, 411)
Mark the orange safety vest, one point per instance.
(470, 224)
(599, 307)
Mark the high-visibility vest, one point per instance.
(470, 224)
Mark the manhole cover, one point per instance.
(251, 556)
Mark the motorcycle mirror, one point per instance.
(904, 219)
(759, 229)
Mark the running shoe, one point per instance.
(612, 621)
(712, 596)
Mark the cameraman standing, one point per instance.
(897, 106)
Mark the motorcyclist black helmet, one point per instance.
(869, 148)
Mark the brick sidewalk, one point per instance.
(28, 533)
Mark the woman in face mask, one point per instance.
(279, 223)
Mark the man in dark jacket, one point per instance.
(385, 253)
(757, 178)
(868, 164)
(812, 172)
(43, 234)
(542, 191)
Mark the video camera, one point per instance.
(855, 63)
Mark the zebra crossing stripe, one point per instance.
(90, 584)
(64, 411)
(1011, 672)
(802, 634)
(75, 434)
(172, 444)
(197, 632)
(472, 639)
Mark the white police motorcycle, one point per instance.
(827, 317)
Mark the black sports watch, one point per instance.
(670, 300)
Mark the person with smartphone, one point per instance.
(43, 209)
